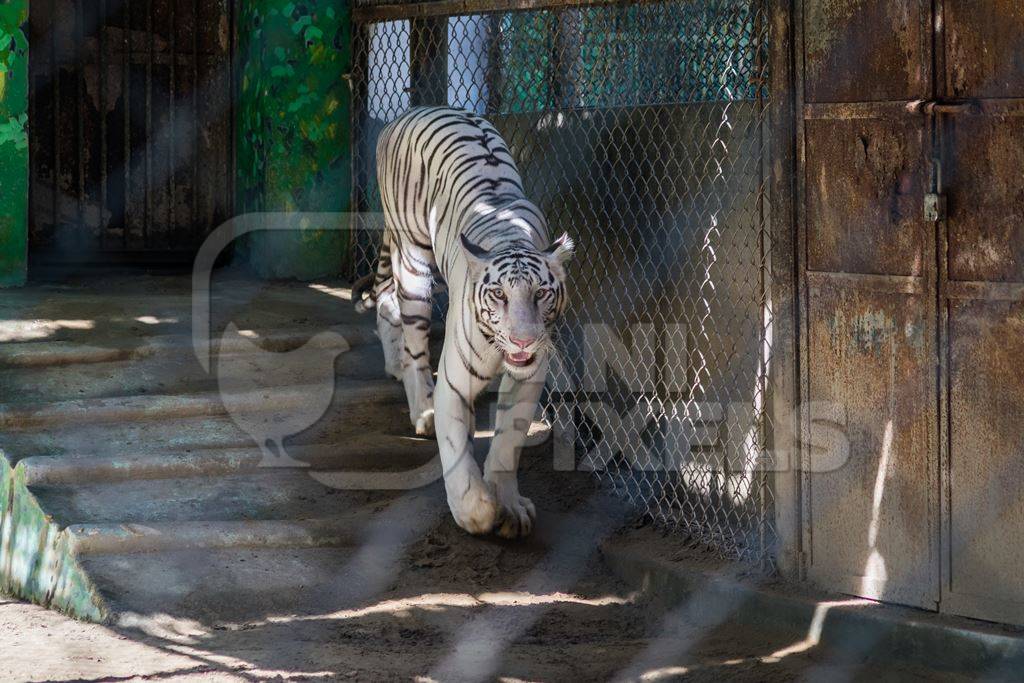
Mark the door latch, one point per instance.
(934, 207)
(935, 201)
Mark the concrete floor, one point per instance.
(213, 567)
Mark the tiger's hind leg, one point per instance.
(413, 285)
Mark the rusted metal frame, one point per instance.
(196, 235)
(80, 97)
(101, 68)
(942, 430)
(782, 397)
(565, 54)
(940, 317)
(146, 223)
(449, 8)
(957, 290)
(495, 71)
(126, 88)
(767, 546)
(229, 204)
(859, 110)
(172, 121)
(879, 284)
(930, 272)
(358, 82)
(55, 75)
(428, 61)
(802, 393)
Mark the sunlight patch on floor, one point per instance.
(29, 330)
(431, 602)
(814, 631)
(343, 293)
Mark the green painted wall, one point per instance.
(13, 142)
(37, 561)
(293, 130)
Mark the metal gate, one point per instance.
(131, 136)
(913, 262)
(639, 128)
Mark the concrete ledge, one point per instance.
(156, 407)
(363, 452)
(127, 538)
(860, 628)
(56, 353)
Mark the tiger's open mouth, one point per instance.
(520, 359)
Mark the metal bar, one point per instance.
(55, 66)
(150, 140)
(380, 13)
(195, 120)
(428, 61)
(126, 83)
(172, 122)
(564, 54)
(101, 68)
(802, 455)
(80, 123)
(886, 284)
(495, 65)
(229, 204)
(765, 497)
(860, 110)
(359, 84)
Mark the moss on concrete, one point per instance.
(13, 142)
(36, 559)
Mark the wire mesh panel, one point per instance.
(640, 129)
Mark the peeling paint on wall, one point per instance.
(293, 129)
(36, 559)
(13, 142)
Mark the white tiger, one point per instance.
(454, 206)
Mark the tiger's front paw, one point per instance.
(477, 509)
(517, 513)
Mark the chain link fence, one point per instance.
(640, 129)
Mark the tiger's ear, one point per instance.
(476, 256)
(562, 249)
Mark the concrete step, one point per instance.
(363, 452)
(35, 354)
(266, 494)
(124, 539)
(175, 373)
(36, 416)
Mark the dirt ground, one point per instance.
(436, 604)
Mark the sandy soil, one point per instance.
(445, 607)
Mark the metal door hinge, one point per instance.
(934, 207)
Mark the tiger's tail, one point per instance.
(367, 289)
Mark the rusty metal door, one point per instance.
(981, 138)
(131, 136)
(912, 235)
(869, 322)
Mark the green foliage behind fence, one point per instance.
(293, 128)
(13, 141)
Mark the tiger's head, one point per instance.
(518, 294)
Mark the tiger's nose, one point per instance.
(522, 343)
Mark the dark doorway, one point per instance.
(132, 138)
